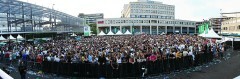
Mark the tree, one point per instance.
(93, 28)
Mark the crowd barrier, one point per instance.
(87, 70)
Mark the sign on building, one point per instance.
(87, 31)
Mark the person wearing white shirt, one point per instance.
(56, 59)
(185, 53)
(48, 58)
(191, 54)
(119, 60)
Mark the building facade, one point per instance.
(231, 26)
(215, 23)
(91, 18)
(145, 16)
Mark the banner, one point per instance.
(203, 27)
(87, 31)
(206, 27)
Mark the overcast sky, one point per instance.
(195, 10)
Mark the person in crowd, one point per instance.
(22, 70)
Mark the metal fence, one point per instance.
(88, 70)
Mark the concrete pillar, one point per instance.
(120, 28)
(173, 29)
(110, 28)
(165, 29)
(141, 29)
(150, 29)
(181, 29)
(131, 29)
(157, 30)
(187, 30)
(195, 31)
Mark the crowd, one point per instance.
(112, 50)
(123, 49)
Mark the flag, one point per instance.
(206, 28)
(201, 29)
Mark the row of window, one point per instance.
(151, 16)
(147, 21)
(152, 11)
(152, 6)
(231, 28)
(230, 22)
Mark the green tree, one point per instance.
(93, 28)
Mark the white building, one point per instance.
(91, 18)
(147, 16)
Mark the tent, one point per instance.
(110, 33)
(73, 34)
(101, 33)
(19, 37)
(2, 38)
(210, 34)
(162, 33)
(11, 37)
(127, 33)
(119, 33)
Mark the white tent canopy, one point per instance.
(101, 33)
(11, 37)
(127, 33)
(73, 34)
(210, 34)
(19, 37)
(119, 33)
(224, 39)
(162, 33)
(110, 33)
(2, 38)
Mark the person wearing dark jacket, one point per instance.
(101, 62)
(22, 69)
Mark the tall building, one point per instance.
(146, 16)
(231, 25)
(215, 23)
(91, 18)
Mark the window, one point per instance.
(143, 16)
(238, 26)
(147, 16)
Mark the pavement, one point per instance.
(228, 68)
